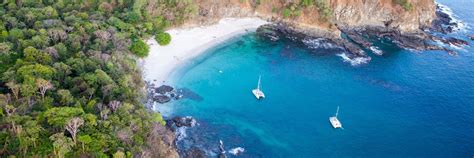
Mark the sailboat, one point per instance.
(334, 121)
(257, 92)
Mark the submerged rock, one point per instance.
(188, 94)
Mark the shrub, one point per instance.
(404, 3)
(163, 38)
(325, 12)
(306, 3)
(286, 13)
(140, 48)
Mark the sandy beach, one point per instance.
(188, 43)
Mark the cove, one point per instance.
(401, 104)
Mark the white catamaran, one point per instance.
(334, 121)
(257, 92)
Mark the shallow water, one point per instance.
(401, 104)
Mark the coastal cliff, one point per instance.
(322, 15)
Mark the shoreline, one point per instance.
(188, 43)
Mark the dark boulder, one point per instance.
(161, 99)
(443, 22)
(456, 42)
(187, 121)
(268, 32)
(164, 89)
(443, 17)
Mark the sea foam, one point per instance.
(181, 133)
(354, 61)
(376, 50)
(315, 43)
(237, 151)
(461, 26)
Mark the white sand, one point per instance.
(189, 43)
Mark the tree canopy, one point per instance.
(140, 48)
(163, 38)
(70, 85)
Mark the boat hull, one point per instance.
(335, 122)
(258, 93)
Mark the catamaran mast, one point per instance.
(258, 86)
(337, 112)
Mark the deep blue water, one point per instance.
(401, 104)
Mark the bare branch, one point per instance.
(73, 127)
(114, 105)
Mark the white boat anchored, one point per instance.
(334, 121)
(258, 92)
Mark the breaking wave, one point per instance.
(181, 133)
(237, 151)
(315, 43)
(459, 24)
(376, 50)
(354, 61)
(442, 44)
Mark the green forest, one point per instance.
(70, 85)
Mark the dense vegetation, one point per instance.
(70, 86)
(294, 9)
(404, 3)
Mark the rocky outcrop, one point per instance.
(416, 40)
(279, 31)
(359, 32)
(162, 94)
(351, 24)
(160, 142)
(164, 89)
(443, 22)
(161, 99)
(454, 41)
(181, 122)
(165, 93)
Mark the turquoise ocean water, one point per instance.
(401, 104)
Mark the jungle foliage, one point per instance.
(70, 85)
